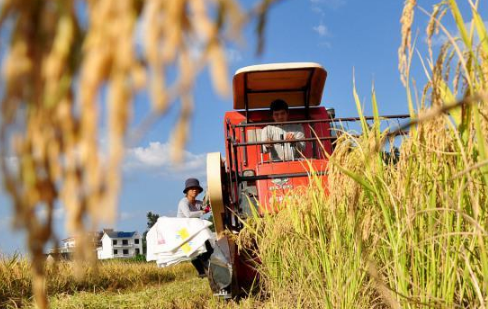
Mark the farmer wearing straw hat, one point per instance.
(190, 207)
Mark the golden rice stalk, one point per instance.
(433, 26)
(405, 49)
(218, 69)
(235, 16)
(180, 132)
(52, 126)
(203, 25)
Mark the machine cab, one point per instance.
(264, 168)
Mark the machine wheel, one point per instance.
(215, 183)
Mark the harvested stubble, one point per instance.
(62, 278)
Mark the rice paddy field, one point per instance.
(408, 232)
(113, 284)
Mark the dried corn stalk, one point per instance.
(62, 54)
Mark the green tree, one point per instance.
(212, 227)
(152, 218)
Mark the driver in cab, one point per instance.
(282, 132)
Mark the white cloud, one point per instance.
(124, 215)
(325, 44)
(12, 164)
(233, 55)
(476, 36)
(319, 7)
(330, 3)
(438, 40)
(336, 3)
(318, 10)
(6, 222)
(58, 213)
(138, 39)
(441, 38)
(321, 29)
(155, 158)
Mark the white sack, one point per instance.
(172, 240)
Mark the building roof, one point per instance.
(97, 235)
(118, 234)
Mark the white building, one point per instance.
(117, 244)
(68, 245)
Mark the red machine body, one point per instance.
(249, 181)
(268, 181)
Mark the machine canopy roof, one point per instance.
(298, 83)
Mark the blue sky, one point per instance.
(341, 35)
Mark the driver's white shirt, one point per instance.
(283, 151)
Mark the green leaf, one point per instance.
(376, 115)
(481, 29)
(364, 124)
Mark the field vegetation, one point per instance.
(121, 283)
(403, 233)
(70, 68)
(63, 278)
(408, 233)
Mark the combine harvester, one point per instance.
(249, 174)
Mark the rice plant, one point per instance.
(405, 234)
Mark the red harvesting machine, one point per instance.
(249, 177)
